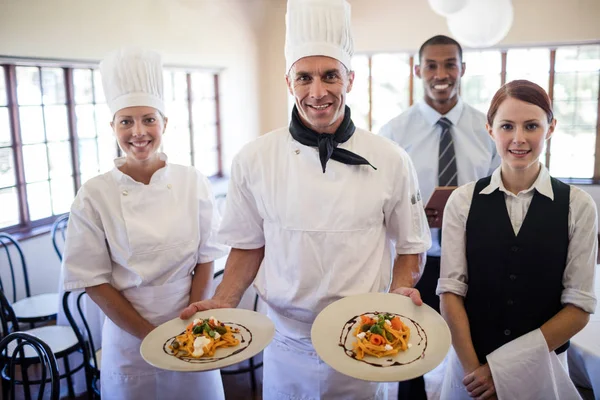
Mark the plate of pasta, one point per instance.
(209, 340)
(380, 337)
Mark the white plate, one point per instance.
(256, 332)
(429, 336)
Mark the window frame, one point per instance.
(27, 228)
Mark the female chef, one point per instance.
(517, 269)
(140, 237)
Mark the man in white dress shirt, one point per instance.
(466, 154)
(310, 220)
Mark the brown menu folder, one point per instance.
(437, 201)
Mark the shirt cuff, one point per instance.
(448, 285)
(81, 284)
(584, 300)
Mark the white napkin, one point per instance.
(524, 369)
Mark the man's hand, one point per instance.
(432, 216)
(413, 293)
(480, 383)
(208, 304)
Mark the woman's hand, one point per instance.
(480, 383)
(208, 304)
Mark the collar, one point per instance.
(432, 116)
(542, 184)
(123, 178)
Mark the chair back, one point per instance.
(58, 233)
(8, 319)
(46, 359)
(6, 241)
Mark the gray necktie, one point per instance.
(447, 173)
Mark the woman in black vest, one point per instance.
(518, 260)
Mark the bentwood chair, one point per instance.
(58, 232)
(253, 365)
(30, 309)
(61, 340)
(18, 352)
(84, 335)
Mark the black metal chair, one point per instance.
(57, 233)
(31, 309)
(61, 340)
(13, 355)
(93, 371)
(252, 364)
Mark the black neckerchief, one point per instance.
(328, 143)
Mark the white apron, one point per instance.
(125, 375)
(292, 370)
(522, 369)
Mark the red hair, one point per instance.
(523, 90)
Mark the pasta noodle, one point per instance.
(380, 336)
(202, 338)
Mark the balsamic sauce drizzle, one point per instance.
(241, 336)
(350, 353)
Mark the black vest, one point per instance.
(515, 282)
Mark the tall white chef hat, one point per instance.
(318, 28)
(133, 77)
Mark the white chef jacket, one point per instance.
(326, 235)
(417, 132)
(129, 234)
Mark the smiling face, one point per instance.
(319, 85)
(519, 130)
(440, 69)
(139, 132)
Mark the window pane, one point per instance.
(7, 167)
(205, 137)
(32, 125)
(60, 159)
(5, 136)
(38, 199)
(86, 123)
(57, 124)
(572, 154)
(36, 162)
(9, 212)
(203, 85)
(88, 157)
(530, 64)
(418, 91)
(82, 82)
(168, 86)
(206, 161)
(3, 96)
(103, 119)
(358, 98)
(28, 86)
(204, 111)
(107, 149)
(482, 78)
(576, 85)
(391, 75)
(578, 58)
(180, 90)
(62, 195)
(98, 89)
(53, 85)
(581, 114)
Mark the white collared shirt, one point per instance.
(417, 132)
(578, 278)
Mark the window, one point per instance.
(385, 86)
(55, 134)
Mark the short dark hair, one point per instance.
(523, 90)
(440, 39)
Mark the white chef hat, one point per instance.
(318, 28)
(133, 77)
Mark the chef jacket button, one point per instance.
(514, 249)
(169, 186)
(512, 277)
(125, 193)
(507, 332)
(297, 151)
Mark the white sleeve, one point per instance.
(578, 278)
(242, 225)
(453, 263)
(86, 259)
(208, 219)
(405, 219)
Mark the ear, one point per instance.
(166, 119)
(350, 81)
(551, 129)
(112, 125)
(288, 82)
(488, 127)
(418, 70)
(464, 68)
